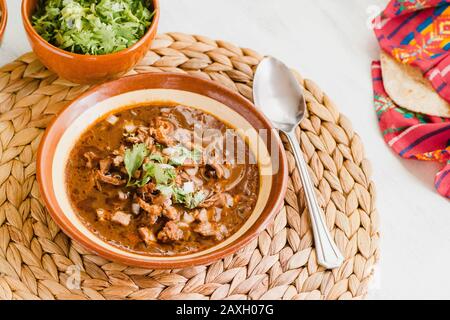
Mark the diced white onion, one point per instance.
(188, 187)
(122, 195)
(226, 173)
(217, 214)
(197, 181)
(183, 225)
(112, 119)
(135, 208)
(169, 151)
(182, 135)
(188, 218)
(129, 127)
(101, 214)
(229, 200)
(167, 202)
(202, 215)
(192, 171)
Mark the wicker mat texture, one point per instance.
(38, 261)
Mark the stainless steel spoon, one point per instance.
(280, 97)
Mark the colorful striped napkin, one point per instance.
(416, 32)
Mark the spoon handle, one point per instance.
(328, 255)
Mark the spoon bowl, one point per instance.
(278, 95)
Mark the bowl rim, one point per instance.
(45, 183)
(86, 57)
(4, 18)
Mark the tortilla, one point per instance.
(409, 89)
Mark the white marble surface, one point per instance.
(329, 41)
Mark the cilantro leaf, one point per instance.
(180, 154)
(134, 158)
(166, 190)
(179, 195)
(193, 200)
(190, 200)
(162, 173)
(156, 157)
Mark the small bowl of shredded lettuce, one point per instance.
(92, 27)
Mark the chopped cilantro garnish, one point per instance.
(92, 26)
(154, 168)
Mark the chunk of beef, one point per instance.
(114, 180)
(147, 189)
(188, 164)
(225, 200)
(120, 151)
(121, 217)
(105, 165)
(170, 232)
(142, 135)
(147, 235)
(171, 213)
(90, 159)
(221, 171)
(208, 172)
(183, 135)
(210, 201)
(211, 229)
(219, 200)
(188, 218)
(153, 210)
(162, 131)
(162, 200)
(201, 215)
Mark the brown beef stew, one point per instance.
(147, 179)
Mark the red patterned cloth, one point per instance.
(416, 32)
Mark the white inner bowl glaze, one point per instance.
(139, 97)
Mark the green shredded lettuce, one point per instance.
(92, 27)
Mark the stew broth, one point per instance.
(141, 180)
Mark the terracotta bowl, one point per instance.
(3, 18)
(86, 69)
(136, 90)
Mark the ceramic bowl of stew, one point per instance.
(162, 171)
(3, 18)
(83, 68)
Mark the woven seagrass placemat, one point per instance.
(38, 261)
